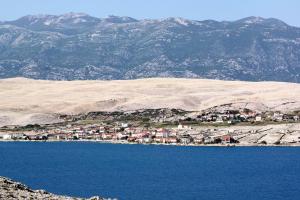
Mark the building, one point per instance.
(7, 137)
(124, 125)
(219, 119)
(258, 118)
(208, 140)
(226, 139)
(184, 127)
(278, 116)
(198, 140)
(186, 139)
(162, 133)
(171, 140)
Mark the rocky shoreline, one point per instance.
(161, 144)
(11, 190)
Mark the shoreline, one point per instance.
(152, 144)
(10, 189)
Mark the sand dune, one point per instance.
(27, 101)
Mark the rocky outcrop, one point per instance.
(10, 190)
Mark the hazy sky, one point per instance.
(286, 10)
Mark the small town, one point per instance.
(221, 128)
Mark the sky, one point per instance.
(229, 10)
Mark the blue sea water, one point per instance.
(138, 172)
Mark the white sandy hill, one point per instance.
(24, 101)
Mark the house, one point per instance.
(171, 140)
(130, 130)
(219, 119)
(106, 136)
(159, 140)
(162, 133)
(131, 139)
(7, 137)
(140, 135)
(181, 127)
(121, 136)
(226, 138)
(144, 140)
(19, 136)
(38, 137)
(287, 117)
(53, 137)
(124, 125)
(208, 140)
(185, 139)
(277, 116)
(258, 118)
(198, 140)
(101, 129)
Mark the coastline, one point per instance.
(10, 189)
(152, 144)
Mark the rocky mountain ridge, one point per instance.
(76, 46)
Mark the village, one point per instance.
(221, 128)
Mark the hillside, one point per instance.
(26, 101)
(76, 46)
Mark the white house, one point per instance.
(219, 120)
(258, 118)
(7, 137)
(181, 127)
(124, 125)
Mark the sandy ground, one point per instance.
(24, 101)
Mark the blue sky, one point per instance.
(286, 10)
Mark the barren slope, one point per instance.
(34, 101)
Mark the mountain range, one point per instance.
(76, 46)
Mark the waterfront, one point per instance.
(154, 172)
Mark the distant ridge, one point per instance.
(76, 46)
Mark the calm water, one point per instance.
(154, 172)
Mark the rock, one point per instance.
(10, 190)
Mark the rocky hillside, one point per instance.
(10, 190)
(78, 46)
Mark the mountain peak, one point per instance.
(272, 22)
(75, 18)
(252, 20)
(119, 19)
(179, 20)
(40, 21)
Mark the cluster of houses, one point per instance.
(124, 133)
(236, 116)
(130, 133)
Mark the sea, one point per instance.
(142, 172)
